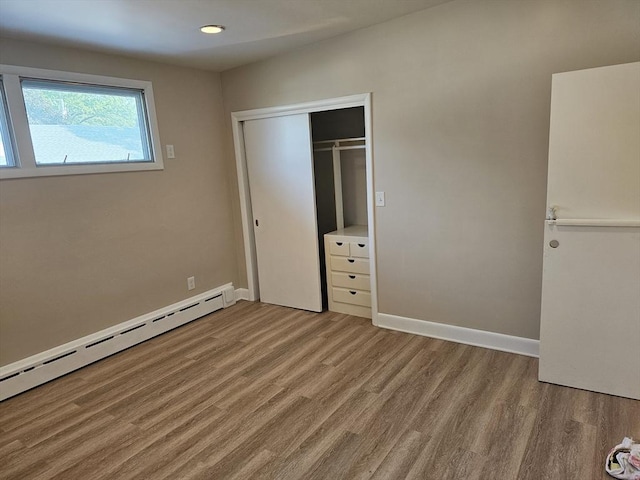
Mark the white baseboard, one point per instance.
(30, 372)
(468, 336)
(242, 294)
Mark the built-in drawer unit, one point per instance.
(348, 281)
(348, 264)
(355, 297)
(359, 249)
(338, 248)
(355, 281)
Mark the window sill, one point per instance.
(59, 170)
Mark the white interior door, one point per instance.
(590, 321)
(280, 169)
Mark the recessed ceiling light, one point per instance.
(212, 29)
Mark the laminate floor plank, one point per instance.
(359, 336)
(146, 463)
(258, 391)
(393, 366)
(292, 422)
(9, 447)
(253, 465)
(504, 441)
(387, 421)
(131, 452)
(127, 386)
(401, 457)
(281, 360)
(260, 339)
(335, 462)
(243, 328)
(47, 450)
(35, 426)
(321, 439)
(110, 434)
(311, 359)
(57, 424)
(476, 401)
(224, 438)
(40, 401)
(161, 395)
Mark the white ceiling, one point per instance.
(168, 30)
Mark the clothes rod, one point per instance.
(594, 222)
(349, 147)
(354, 139)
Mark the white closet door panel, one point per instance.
(280, 168)
(590, 325)
(590, 318)
(594, 143)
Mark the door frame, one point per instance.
(237, 120)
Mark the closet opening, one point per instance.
(340, 174)
(306, 197)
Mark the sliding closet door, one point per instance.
(280, 169)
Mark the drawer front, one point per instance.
(360, 249)
(339, 248)
(351, 265)
(354, 281)
(354, 297)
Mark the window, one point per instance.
(85, 123)
(6, 144)
(67, 123)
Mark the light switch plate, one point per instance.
(380, 199)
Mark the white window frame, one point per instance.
(23, 148)
(8, 140)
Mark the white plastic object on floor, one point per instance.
(623, 461)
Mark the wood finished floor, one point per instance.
(259, 391)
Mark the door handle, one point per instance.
(257, 224)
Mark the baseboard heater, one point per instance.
(30, 372)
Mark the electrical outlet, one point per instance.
(191, 283)
(170, 152)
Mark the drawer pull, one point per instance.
(352, 277)
(339, 244)
(352, 292)
(361, 245)
(350, 260)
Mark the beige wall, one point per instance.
(81, 253)
(461, 97)
(354, 187)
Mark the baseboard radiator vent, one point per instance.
(43, 367)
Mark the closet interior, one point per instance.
(340, 177)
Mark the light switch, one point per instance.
(379, 199)
(170, 152)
